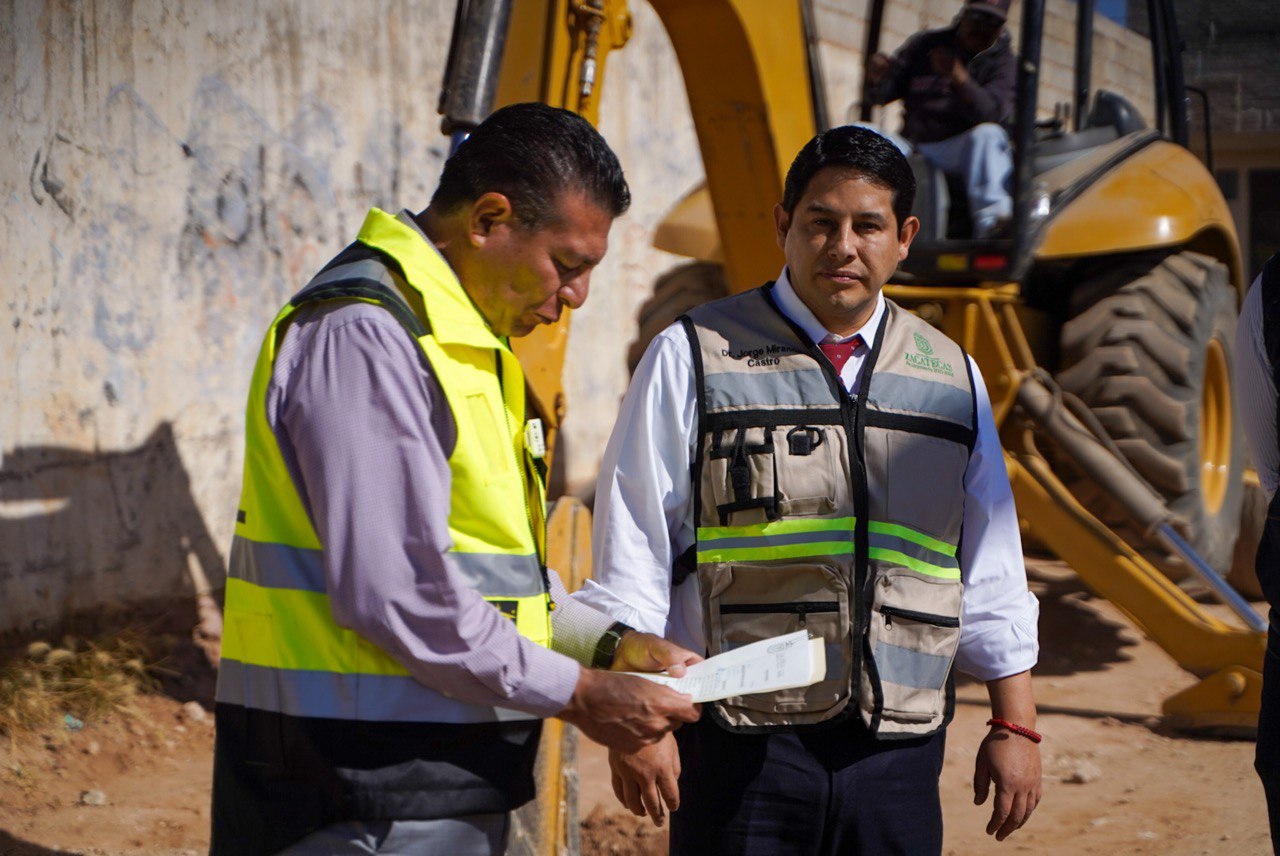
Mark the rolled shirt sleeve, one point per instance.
(999, 634)
(363, 426)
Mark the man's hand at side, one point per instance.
(643, 781)
(1010, 760)
(624, 712)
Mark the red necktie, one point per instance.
(840, 352)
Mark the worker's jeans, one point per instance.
(834, 792)
(983, 158)
(473, 835)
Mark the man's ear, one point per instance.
(781, 222)
(910, 228)
(490, 210)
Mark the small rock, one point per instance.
(180, 729)
(93, 798)
(1148, 835)
(38, 650)
(195, 712)
(93, 748)
(1084, 773)
(1225, 837)
(1100, 821)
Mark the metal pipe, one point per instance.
(1084, 59)
(817, 83)
(1144, 505)
(1212, 578)
(1147, 508)
(1208, 125)
(1025, 130)
(875, 19)
(475, 60)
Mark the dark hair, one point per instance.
(861, 150)
(532, 154)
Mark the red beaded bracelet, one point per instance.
(1033, 736)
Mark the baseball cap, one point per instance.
(998, 8)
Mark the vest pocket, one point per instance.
(486, 431)
(811, 467)
(741, 477)
(923, 476)
(748, 603)
(914, 634)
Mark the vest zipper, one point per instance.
(800, 608)
(523, 463)
(912, 615)
(859, 603)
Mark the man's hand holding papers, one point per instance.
(644, 781)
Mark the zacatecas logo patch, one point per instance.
(926, 361)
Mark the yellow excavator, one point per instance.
(1102, 321)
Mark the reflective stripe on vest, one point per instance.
(842, 515)
(282, 650)
(800, 538)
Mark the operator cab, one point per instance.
(1055, 155)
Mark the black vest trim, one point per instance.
(939, 428)
(771, 418)
(680, 572)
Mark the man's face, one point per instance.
(523, 277)
(978, 30)
(842, 244)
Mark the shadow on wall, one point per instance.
(80, 530)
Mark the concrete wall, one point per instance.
(175, 169)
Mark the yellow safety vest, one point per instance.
(289, 671)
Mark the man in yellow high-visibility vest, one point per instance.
(393, 635)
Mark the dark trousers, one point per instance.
(838, 791)
(1267, 759)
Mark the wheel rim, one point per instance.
(1215, 428)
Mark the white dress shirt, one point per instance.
(644, 510)
(1256, 390)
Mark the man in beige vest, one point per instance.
(809, 455)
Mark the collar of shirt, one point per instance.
(793, 307)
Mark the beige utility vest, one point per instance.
(835, 513)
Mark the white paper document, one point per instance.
(780, 663)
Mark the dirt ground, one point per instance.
(1115, 781)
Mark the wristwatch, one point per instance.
(607, 646)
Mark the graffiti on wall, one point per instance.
(171, 246)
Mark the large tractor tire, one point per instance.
(675, 293)
(1149, 350)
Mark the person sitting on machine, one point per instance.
(957, 88)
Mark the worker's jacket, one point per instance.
(833, 513)
(1268, 558)
(315, 723)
